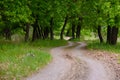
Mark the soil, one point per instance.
(107, 58)
(74, 62)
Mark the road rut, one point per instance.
(71, 63)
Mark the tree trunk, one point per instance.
(40, 32)
(51, 29)
(46, 32)
(27, 32)
(68, 32)
(109, 31)
(73, 31)
(99, 34)
(63, 28)
(78, 28)
(35, 31)
(78, 31)
(114, 35)
(34, 36)
(7, 33)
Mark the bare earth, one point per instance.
(73, 62)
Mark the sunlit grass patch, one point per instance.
(17, 61)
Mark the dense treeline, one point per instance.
(47, 16)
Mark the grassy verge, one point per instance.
(103, 46)
(20, 60)
(114, 49)
(49, 43)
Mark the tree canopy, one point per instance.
(47, 16)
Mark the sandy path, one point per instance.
(70, 63)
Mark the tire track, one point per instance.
(95, 69)
(70, 63)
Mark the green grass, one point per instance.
(18, 60)
(49, 43)
(103, 46)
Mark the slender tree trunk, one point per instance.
(46, 32)
(109, 32)
(7, 33)
(40, 32)
(35, 31)
(68, 32)
(43, 33)
(63, 28)
(27, 32)
(34, 36)
(73, 31)
(78, 28)
(114, 35)
(78, 31)
(51, 29)
(99, 34)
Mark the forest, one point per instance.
(46, 19)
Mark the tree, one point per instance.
(63, 28)
(46, 17)
(13, 12)
(79, 26)
(111, 11)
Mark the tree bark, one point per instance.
(109, 31)
(99, 34)
(7, 33)
(40, 32)
(34, 36)
(63, 28)
(46, 32)
(73, 31)
(35, 31)
(51, 29)
(114, 35)
(78, 28)
(27, 32)
(68, 32)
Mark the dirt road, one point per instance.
(70, 63)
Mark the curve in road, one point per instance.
(70, 63)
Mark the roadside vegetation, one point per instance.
(18, 60)
(95, 45)
(99, 47)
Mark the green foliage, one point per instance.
(93, 13)
(15, 14)
(16, 11)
